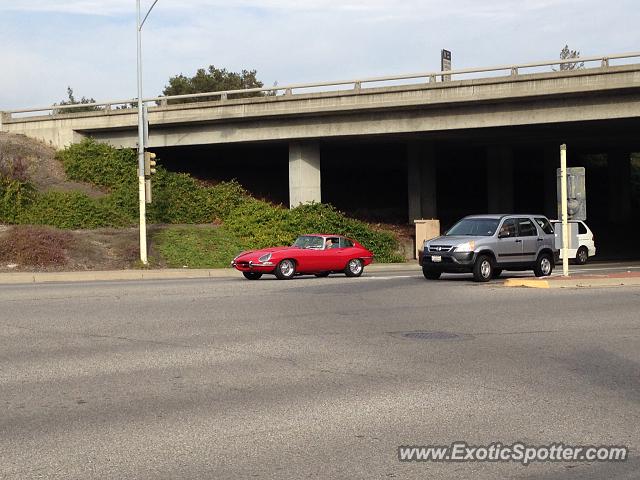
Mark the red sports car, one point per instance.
(316, 254)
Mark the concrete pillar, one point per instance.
(551, 163)
(500, 179)
(619, 173)
(421, 162)
(304, 173)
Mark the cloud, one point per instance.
(90, 44)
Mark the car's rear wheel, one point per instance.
(286, 269)
(322, 274)
(431, 274)
(354, 268)
(582, 256)
(483, 269)
(544, 265)
(497, 272)
(252, 275)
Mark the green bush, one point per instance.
(177, 198)
(197, 247)
(15, 198)
(73, 210)
(100, 164)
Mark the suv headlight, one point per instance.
(466, 247)
(265, 258)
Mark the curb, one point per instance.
(516, 282)
(164, 274)
(574, 283)
(117, 275)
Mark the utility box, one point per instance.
(425, 230)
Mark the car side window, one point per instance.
(332, 242)
(508, 228)
(582, 229)
(345, 243)
(527, 228)
(545, 225)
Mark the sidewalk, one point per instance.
(162, 274)
(578, 281)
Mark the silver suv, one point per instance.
(485, 245)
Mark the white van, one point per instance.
(581, 243)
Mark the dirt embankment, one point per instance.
(36, 162)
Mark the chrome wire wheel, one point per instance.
(354, 268)
(286, 269)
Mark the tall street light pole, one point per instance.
(141, 144)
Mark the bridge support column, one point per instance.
(304, 173)
(421, 161)
(619, 172)
(551, 162)
(500, 179)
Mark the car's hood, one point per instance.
(452, 240)
(259, 253)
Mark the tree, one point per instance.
(212, 80)
(567, 54)
(73, 101)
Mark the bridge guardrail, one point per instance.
(289, 90)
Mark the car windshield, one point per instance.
(309, 241)
(477, 227)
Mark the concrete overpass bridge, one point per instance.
(496, 110)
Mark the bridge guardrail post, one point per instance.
(288, 92)
(4, 116)
(514, 71)
(164, 102)
(357, 87)
(605, 62)
(432, 79)
(223, 96)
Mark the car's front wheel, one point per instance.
(354, 268)
(430, 274)
(582, 256)
(544, 265)
(286, 269)
(252, 275)
(483, 269)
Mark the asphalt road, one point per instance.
(311, 378)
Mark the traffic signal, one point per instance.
(149, 163)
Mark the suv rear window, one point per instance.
(545, 225)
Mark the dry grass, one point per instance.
(31, 246)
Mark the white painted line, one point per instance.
(629, 268)
(390, 277)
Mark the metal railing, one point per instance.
(288, 90)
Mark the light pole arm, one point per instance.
(147, 15)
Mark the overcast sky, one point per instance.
(46, 45)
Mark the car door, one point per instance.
(329, 257)
(530, 239)
(342, 254)
(508, 247)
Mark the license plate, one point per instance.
(436, 258)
